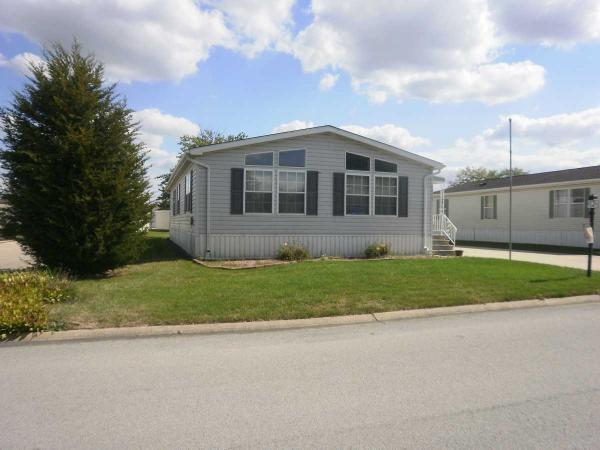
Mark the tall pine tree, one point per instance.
(75, 177)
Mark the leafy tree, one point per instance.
(75, 176)
(470, 174)
(186, 143)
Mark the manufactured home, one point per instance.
(329, 190)
(548, 208)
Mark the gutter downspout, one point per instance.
(207, 167)
(427, 201)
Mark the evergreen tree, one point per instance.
(75, 178)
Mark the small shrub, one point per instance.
(24, 296)
(377, 250)
(292, 252)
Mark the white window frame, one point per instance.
(359, 173)
(371, 163)
(291, 167)
(491, 196)
(277, 190)
(262, 169)
(260, 153)
(569, 203)
(384, 175)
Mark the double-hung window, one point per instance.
(386, 195)
(488, 207)
(258, 191)
(357, 194)
(569, 202)
(292, 192)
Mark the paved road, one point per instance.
(555, 259)
(12, 257)
(524, 378)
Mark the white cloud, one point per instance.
(328, 81)
(141, 40)
(424, 49)
(21, 62)
(390, 134)
(292, 126)
(545, 143)
(548, 22)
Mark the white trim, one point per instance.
(356, 170)
(318, 130)
(262, 169)
(291, 150)
(260, 153)
(384, 175)
(277, 191)
(358, 173)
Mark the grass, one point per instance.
(166, 288)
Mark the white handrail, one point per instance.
(441, 223)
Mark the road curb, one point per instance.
(247, 327)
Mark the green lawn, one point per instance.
(166, 288)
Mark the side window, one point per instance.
(292, 192)
(358, 162)
(292, 158)
(357, 194)
(259, 159)
(258, 192)
(386, 196)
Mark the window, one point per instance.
(292, 158)
(357, 194)
(569, 203)
(177, 200)
(488, 207)
(292, 190)
(357, 162)
(187, 193)
(258, 191)
(386, 196)
(384, 166)
(259, 159)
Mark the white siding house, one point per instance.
(548, 208)
(327, 189)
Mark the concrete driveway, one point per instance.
(555, 259)
(12, 256)
(512, 379)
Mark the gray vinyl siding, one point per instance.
(326, 154)
(259, 235)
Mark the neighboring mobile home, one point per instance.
(549, 208)
(330, 190)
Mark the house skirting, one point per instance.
(246, 246)
(560, 238)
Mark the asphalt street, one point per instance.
(523, 378)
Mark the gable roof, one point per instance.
(317, 130)
(556, 176)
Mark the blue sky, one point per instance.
(433, 78)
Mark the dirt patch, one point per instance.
(241, 264)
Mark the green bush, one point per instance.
(377, 250)
(292, 252)
(24, 296)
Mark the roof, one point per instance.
(556, 176)
(299, 133)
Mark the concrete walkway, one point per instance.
(555, 259)
(12, 257)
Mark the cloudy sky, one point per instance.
(434, 77)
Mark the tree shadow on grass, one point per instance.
(159, 248)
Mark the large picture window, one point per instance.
(258, 191)
(292, 192)
(386, 196)
(357, 194)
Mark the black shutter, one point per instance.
(312, 193)
(402, 196)
(495, 206)
(482, 203)
(338, 194)
(237, 191)
(585, 207)
(191, 206)
(551, 205)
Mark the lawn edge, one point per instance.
(246, 327)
